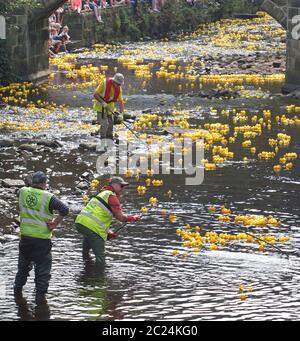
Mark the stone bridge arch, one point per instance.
(27, 40)
(276, 9)
(287, 13)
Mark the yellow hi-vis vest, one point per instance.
(110, 97)
(97, 106)
(35, 213)
(97, 215)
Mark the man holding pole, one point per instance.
(107, 94)
(95, 219)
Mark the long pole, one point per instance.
(121, 227)
(131, 130)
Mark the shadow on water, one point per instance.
(100, 294)
(25, 312)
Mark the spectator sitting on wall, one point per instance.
(75, 5)
(64, 37)
(94, 6)
(65, 32)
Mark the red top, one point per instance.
(109, 85)
(113, 200)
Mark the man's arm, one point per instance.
(98, 92)
(63, 210)
(122, 106)
(99, 98)
(117, 211)
(121, 101)
(114, 204)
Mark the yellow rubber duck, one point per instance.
(144, 210)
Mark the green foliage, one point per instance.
(6, 75)
(239, 6)
(11, 6)
(127, 24)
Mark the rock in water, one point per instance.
(82, 185)
(48, 143)
(88, 146)
(28, 147)
(6, 143)
(13, 183)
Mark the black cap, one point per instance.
(39, 178)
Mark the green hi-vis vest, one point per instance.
(97, 106)
(35, 213)
(97, 215)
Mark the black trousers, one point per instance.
(34, 252)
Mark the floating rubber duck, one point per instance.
(153, 201)
(225, 210)
(85, 198)
(277, 168)
(175, 253)
(94, 184)
(214, 247)
(243, 297)
(144, 210)
(141, 190)
(173, 218)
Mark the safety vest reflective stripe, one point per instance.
(44, 202)
(34, 222)
(96, 202)
(93, 218)
(33, 212)
(96, 216)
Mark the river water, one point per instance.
(142, 280)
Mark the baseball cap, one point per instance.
(118, 78)
(118, 180)
(39, 178)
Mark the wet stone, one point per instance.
(7, 143)
(28, 147)
(86, 175)
(88, 146)
(13, 183)
(49, 143)
(276, 64)
(82, 185)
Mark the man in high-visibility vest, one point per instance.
(37, 221)
(95, 219)
(107, 94)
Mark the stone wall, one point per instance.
(126, 24)
(293, 47)
(28, 42)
